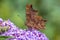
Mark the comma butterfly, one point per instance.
(33, 20)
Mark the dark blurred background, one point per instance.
(48, 9)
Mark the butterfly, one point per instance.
(32, 19)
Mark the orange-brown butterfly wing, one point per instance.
(32, 18)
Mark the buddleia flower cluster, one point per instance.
(19, 34)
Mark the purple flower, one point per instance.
(19, 34)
